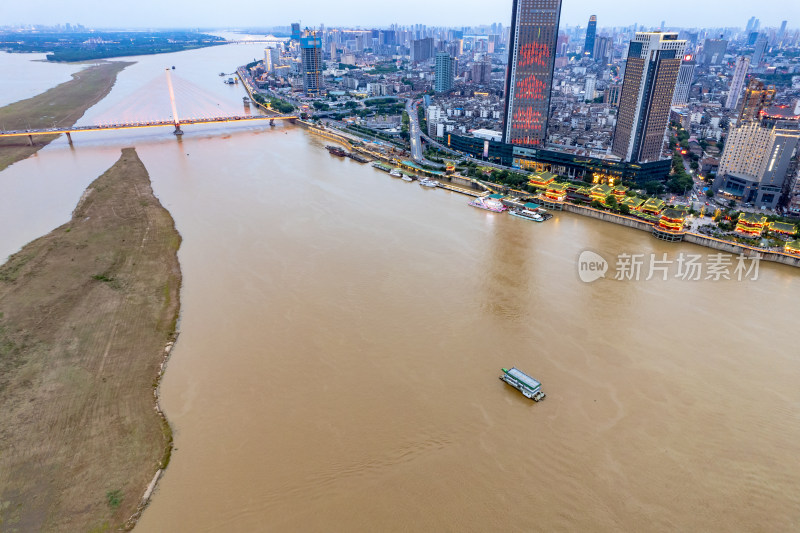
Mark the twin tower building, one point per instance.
(651, 72)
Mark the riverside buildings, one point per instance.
(531, 57)
(651, 73)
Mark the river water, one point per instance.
(342, 333)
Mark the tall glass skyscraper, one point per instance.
(529, 78)
(651, 73)
(591, 31)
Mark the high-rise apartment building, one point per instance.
(422, 49)
(611, 95)
(445, 72)
(757, 97)
(651, 72)
(311, 56)
(529, 77)
(482, 72)
(737, 82)
(272, 58)
(714, 51)
(591, 31)
(589, 87)
(685, 79)
(603, 50)
(295, 31)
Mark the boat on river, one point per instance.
(489, 203)
(335, 150)
(428, 182)
(528, 386)
(406, 177)
(395, 173)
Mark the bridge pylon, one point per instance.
(178, 130)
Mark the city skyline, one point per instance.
(183, 13)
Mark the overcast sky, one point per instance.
(365, 13)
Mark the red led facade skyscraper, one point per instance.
(529, 78)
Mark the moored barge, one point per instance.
(529, 387)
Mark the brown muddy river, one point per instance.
(342, 333)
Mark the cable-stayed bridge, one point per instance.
(155, 106)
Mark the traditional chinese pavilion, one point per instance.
(782, 228)
(542, 181)
(653, 206)
(792, 247)
(600, 192)
(751, 224)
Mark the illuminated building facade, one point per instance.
(529, 78)
(751, 224)
(756, 98)
(651, 72)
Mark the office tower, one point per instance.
(422, 49)
(295, 31)
(445, 72)
(749, 26)
(311, 56)
(589, 87)
(651, 72)
(482, 72)
(714, 51)
(737, 82)
(591, 31)
(756, 98)
(529, 76)
(685, 79)
(755, 163)
(751, 38)
(759, 51)
(603, 49)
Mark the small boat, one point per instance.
(407, 178)
(395, 173)
(246, 100)
(528, 386)
(221, 73)
(428, 182)
(488, 203)
(173, 67)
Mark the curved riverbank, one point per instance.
(85, 314)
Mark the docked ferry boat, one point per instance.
(395, 173)
(335, 150)
(428, 182)
(489, 203)
(529, 387)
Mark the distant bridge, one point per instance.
(134, 124)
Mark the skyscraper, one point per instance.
(529, 77)
(737, 82)
(445, 72)
(295, 31)
(422, 49)
(685, 79)
(591, 31)
(760, 49)
(311, 55)
(603, 50)
(714, 51)
(651, 73)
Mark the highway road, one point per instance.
(414, 131)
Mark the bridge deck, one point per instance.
(150, 124)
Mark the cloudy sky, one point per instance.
(189, 13)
